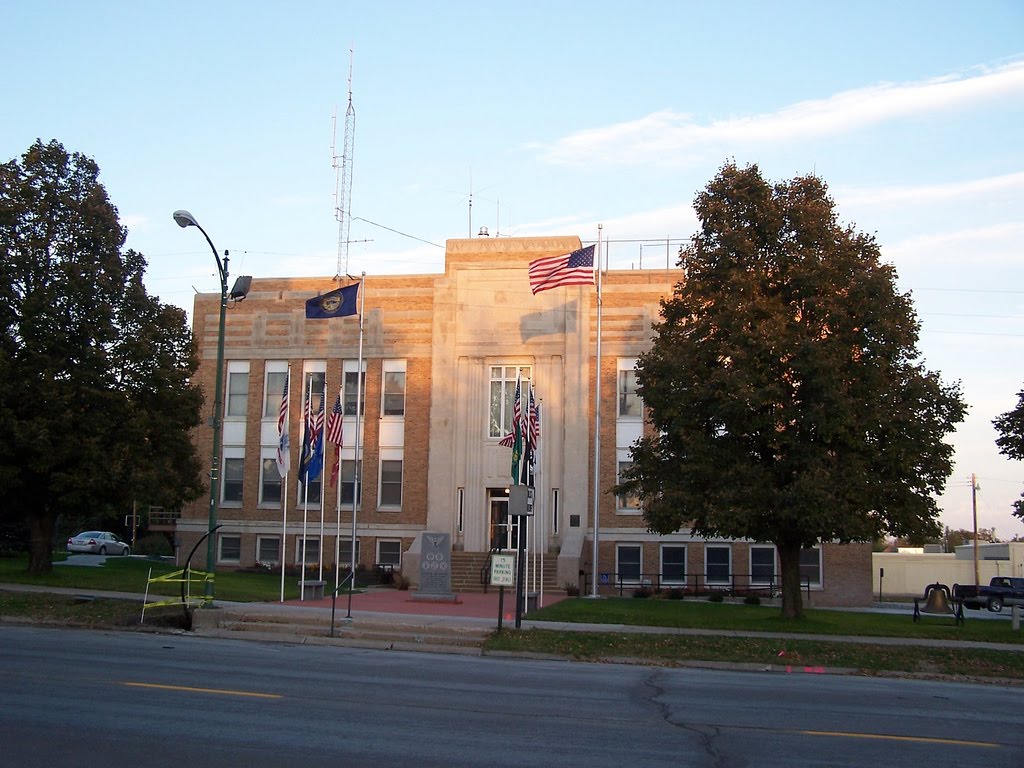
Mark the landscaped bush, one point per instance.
(643, 592)
(675, 593)
(153, 545)
(572, 590)
(752, 600)
(716, 597)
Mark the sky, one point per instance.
(551, 118)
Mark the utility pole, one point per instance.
(974, 509)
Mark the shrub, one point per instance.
(154, 545)
(675, 593)
(572, 590)
(716, 597)
(751, 600)
(643, 592)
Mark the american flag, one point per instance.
(534, 418)
(283, 448)
(576, 268)
(334, 423)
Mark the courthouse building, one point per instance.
(441, 354)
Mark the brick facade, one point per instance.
(451, 332)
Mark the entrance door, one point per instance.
(504, 528)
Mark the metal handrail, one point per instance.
(698, 584)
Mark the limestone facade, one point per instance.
(440, 356)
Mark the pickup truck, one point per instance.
(1001, 590)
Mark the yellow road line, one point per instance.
(925, 739)
(204, 690)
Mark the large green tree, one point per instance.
(1010, 427)
(786, 396)
(96, 402)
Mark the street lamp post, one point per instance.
(186, 219)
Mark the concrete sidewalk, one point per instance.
(479, 612)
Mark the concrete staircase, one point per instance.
(467, 567)
(313, 627)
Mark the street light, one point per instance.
(186, 219)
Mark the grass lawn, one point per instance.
(793, 653)
(796, 655)
(701, 614)
(129, 574)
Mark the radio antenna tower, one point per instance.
(343, 175)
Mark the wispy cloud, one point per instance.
(667, 137)
(996, 244)
(930, 193)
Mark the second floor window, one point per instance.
(630, 405)
(502, 396)
(394, 393)
(238, 394)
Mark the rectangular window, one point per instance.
(230, 548)
(312, 550)
(388, 552)
(355, 388)
(268, 550)
(315, 486)
(554, 510)
(272, 391)
(810, 567)
(673, 563)
(630, 405)
(270, 482)
(762, 565)
(391, 483)
(394, 388)
(503, 395)
(718, 564)
(627, 562)
(238, 394)
(345, 549)
(348, 482)
(626, 503)
(313, 391)
(460, 505)
(232, 480)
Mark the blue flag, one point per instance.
(337, 303)
(312, 461)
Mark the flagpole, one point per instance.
(323, 462)
(357, 465)
(284, 529)
(305, 490)
(542, 529)
(597, 420)
(284, 480)
(337, 487)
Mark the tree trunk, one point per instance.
(40, 551)
(792, 598)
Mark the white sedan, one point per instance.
(98, 543)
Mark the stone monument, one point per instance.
(435, 568)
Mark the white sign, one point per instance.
(503, 570)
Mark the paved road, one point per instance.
(73, 698)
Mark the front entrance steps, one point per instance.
(467, 567)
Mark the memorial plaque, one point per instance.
(435, 566)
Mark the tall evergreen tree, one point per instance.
(96, 402)
(786, 396)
